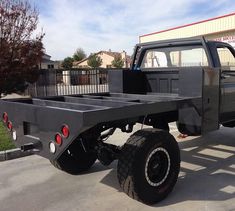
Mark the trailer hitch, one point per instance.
(31, 146)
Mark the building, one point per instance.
(47, 63)
(107, 58)
(220, 28)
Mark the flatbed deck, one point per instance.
(121, 105)
(38, 118)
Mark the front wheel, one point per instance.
(149, 165)
(188, 129)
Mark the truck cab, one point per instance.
(185, 67)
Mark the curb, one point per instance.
(13, 154)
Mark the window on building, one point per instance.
(227, 60)
(50, 66)
(182, 56)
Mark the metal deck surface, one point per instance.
(102, 102)
(114, 106)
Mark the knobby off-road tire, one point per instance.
(75, 159)
(149, 165)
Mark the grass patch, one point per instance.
(5, 140)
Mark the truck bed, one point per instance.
(109, 107)
(39, 119)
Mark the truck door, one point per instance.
(226, 57)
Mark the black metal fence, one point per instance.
(67, 82)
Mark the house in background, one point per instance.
(47, 63)
(107, 58)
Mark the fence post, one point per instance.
(56, 87)
(35, 89)
(97, 86)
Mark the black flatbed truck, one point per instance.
(181, 80)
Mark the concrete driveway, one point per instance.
(206, 182)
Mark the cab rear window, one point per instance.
(182, 56)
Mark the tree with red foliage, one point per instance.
(20, 53)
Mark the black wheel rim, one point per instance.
(157, 166)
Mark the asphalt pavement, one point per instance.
(206, 181)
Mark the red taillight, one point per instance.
(9, 125)
(65, 131)
(5, 117)
(58, 139)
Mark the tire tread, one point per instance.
(128, 155)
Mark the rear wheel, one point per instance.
(229, 124)
(76, 159)
(149, 165)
